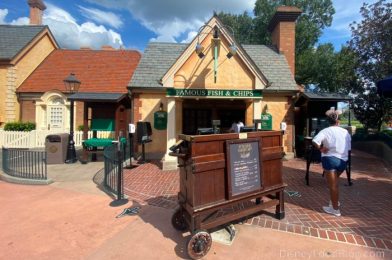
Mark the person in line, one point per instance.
(334, 143)
(236, 127)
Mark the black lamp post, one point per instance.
(72, 85)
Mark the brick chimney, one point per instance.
(36, 9)
(282, 26)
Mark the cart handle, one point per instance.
(181, 155)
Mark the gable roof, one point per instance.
(106, 71)
(14, 38)
(273, 65)
(213, 24)
(159, 57)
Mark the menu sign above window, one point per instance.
(213, 93)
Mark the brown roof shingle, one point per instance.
(107, 71)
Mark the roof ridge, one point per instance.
(23, 25)
(171, 43)
(94, 50)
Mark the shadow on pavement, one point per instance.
(162, 223)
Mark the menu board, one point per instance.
(244, 168)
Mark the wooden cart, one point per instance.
(225, 178)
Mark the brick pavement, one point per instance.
(366, 216)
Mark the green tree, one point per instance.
(345, 77)
(322, 69)
(371, 42)
(317, 14)
(242, 25)
(316, 68)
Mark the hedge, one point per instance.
(362, 135)
(19, 126)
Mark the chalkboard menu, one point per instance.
(243, 166)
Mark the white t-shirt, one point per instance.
(336, 139)
(236, 127)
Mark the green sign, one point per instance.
(266, 121)
(217, 93)
(160, 120)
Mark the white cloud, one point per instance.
(68, 33)
(347, 11)
(18, 21)
(190, 37)
(3, 14)
(21, 21)
(170, 19)
(101, 17)
(71, 35)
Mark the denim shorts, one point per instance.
(332, 163)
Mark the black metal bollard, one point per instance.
(119, 172)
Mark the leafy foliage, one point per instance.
(19, 126)
(371, 42)
(322, 69)
(242, 25)
(317, 14)
(345, 77)
(353, 70)
(316, 67)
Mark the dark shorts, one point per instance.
(331, 163)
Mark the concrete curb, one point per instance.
(17, 180)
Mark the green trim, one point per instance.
(215, 63)
(217, 93)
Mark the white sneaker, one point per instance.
(332, 211)
(330, 204)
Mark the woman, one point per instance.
(334, 143)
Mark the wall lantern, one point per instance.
(215, 44)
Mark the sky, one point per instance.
(131, 24)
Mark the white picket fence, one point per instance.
(36, 138)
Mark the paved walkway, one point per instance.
(47, 222)
(77, 176)
(73, 219)
(366, 206)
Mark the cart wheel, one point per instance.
(199, 244)
(178, 220)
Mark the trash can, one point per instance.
(56, 148)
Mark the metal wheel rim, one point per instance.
(194, 250)
(178, 220)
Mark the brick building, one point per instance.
(215, 78)
(42, 95)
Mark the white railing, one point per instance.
(36, 138)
